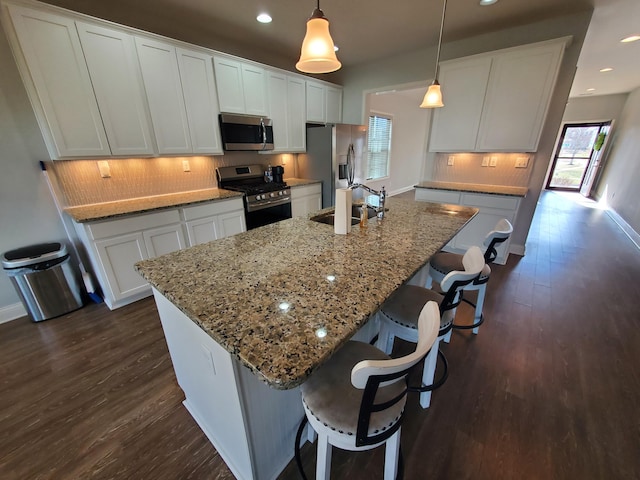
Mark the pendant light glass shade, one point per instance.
(433, 97)
(317, 54)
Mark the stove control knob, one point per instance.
(280, 192)
(257, 197)
(272, 194)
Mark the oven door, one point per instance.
(266, 215)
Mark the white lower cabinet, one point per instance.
(306, 199)
(492, 209)
(114, 246)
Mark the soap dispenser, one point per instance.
(364, 217)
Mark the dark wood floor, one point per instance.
(549, 389)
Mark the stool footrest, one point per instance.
(437, 384)
(469, 327)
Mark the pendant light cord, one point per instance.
(444, 9)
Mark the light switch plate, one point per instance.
(522, 162)
(103, 167)
(450, 160)
(185, 166)
(493, 162)
(485, 161)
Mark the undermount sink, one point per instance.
(329, 217)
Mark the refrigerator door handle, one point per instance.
(350, 164)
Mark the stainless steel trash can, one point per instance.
(44, 279)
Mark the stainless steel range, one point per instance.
(264, 201)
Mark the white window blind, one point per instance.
(379, 146)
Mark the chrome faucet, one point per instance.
(382, 195)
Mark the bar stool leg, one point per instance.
(479, 305)
(323, 468)
(428, 372)
(391, 454)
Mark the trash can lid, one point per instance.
(33, 254)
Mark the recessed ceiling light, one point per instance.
(484, 3)
(591, 89)
(606, 69)
(335, 48)
(264, 18)
(630, 38)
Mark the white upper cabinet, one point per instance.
(324, 103)
(518, 96)
(241, 86)
(201, 102)
(117, 83)
(464, 84)
(58, 83)
(496, 102)
(162, 83)
(287, 111)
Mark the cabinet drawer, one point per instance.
(490, 201)
(110, 228)
(212, 208)
(315, 189)
(437, 196)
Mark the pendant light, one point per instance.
(433, 97)
(317, 54)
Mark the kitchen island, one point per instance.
(248, 318)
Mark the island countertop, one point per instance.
(282, 298)
(475, 188)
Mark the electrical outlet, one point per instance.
(522, 162)
(450, 160)
(485, 161)
(493, 162)
(103, 167)
(185, 166)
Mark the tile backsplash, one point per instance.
(467, 168)
(80, 181)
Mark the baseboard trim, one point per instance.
(12, 312)
(517, 249)
(625, 227)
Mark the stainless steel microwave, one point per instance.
(246, 132)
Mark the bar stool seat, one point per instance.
(356, 400)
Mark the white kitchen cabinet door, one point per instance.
(201, 101)
(255, 89)
(117, 256)
(277, 86)
(231, 223)
(117, 83)
(163, 87)
(229, 84)
(63, 99)
(464, 84)
(334, 105)
(306, 199)
(296, 114)
(163, 240)
(203, 230)
(316, 102)
(520, 88)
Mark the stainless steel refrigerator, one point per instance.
(334, 152)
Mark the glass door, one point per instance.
(577, 157)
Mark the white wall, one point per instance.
(621, 173)
(27, 214)
(595, 109)
(409, 129)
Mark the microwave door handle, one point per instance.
(264, 134)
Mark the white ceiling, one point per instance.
(366, 30)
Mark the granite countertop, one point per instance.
(282, 298)
(299, 182)
(476, 188)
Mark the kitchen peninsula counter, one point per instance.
(475, 188)
(248, 318)
(131, 206)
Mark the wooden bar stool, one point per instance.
(356, 400)
(444, 262)
(399, 316)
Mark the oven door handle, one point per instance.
(268, 203)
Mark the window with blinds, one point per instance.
(379, 146)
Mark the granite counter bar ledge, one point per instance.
(248, 318)
(475, 188)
